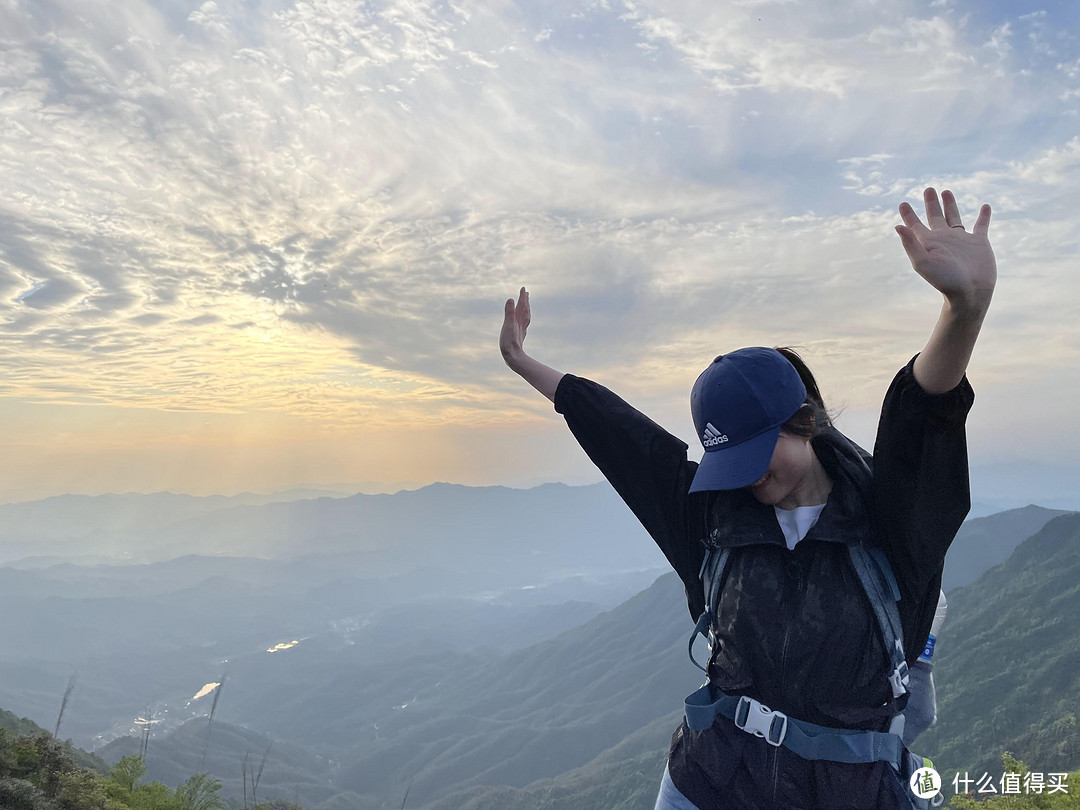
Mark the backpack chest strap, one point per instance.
(808, 740)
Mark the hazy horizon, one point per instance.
(1010, 484)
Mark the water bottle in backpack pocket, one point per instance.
(921, 711)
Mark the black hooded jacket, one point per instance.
(795, 628)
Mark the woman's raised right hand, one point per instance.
(516, 319)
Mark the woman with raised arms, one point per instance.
(814, 568)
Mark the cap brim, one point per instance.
(738, 466)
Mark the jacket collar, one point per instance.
(736, 518)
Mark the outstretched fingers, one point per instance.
(941, 213)
(912, 246)
(935, 218)
(911, 219)
(516, 318)
(519, 309)
(524, 310)
(952, 212)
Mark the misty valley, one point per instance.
(451, 647)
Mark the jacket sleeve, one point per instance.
(921, 493)
(645, 464)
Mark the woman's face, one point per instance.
(794, 477)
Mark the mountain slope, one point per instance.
(1008, 676)
(20, 726)
(443, 721)
(985, 542)
(287, 771)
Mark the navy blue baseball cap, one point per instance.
(739, 403)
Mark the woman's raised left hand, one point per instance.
(959, 264)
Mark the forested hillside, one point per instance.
(1008, 675)
(37, 772)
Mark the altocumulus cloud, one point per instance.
(318, 207)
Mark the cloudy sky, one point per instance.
(251, 243)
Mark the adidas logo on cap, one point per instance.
(712, 437)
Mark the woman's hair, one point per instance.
(812, 418)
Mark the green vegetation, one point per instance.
(39, 773)
(626, 784)
(1024, 800)
(1009, 656)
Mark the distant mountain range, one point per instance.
(510, 649)
(468, 567)
(552, 529)
(583, 720)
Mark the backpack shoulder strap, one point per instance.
(879, 582)
(877, 579)
(711, 574)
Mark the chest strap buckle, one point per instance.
(754, 718)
